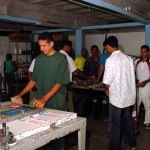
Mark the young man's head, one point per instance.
(94, 50)
(8, 56)
(111, 44)
(46, 43)
(84, 53)
(66, 46)
(144, 52)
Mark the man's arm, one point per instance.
(80, 73)
(100, 72)
(40, 103)
(143, 83)
(28, 87)
(29, 75)
(106, 89)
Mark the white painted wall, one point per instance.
(129, 42)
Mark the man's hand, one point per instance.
(91, 79)
(40, 103)
(106, 89)
(107, 92)
(142, 84)
(17, 99)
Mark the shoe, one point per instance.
(147, 126)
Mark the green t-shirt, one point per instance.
(8, 66)
(48, 71)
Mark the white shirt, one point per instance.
(32, 65)
(143, 73)
(119, 74)
(71, 65)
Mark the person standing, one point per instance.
(102, 62)
(142, 67)
(50, 74)
(90, 69)
(9, 68)
(30, 71)
(65, 50)
(80, 60)
(34, 90)
(119, 81)
(101, 70)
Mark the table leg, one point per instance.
(81, 138)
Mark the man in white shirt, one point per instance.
(31, 69)
(142, 67)
(119, 80)
(66, 48)
(33, 91)
(72, 68)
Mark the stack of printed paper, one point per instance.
(27, 126)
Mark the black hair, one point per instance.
(104, 43)
(112, 41)
(83, 49)
(95, 46)
(46, 36)
(145, 46)
(64, 43)
(9, 56)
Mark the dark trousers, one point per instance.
(90, 95)
(9, 78)
(120, 123)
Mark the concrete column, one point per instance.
(147, 35)
(79, 42)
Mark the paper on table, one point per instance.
(22, 129)
(39, 122)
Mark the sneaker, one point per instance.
(147, 126)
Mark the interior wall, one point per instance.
(129, 42)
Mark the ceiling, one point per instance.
(70, 14)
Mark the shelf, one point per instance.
(22, 56)
(19, 37)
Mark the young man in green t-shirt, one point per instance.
(50, 74)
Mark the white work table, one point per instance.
(59, 127)
(44, 137)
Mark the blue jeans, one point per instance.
(120, 123)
